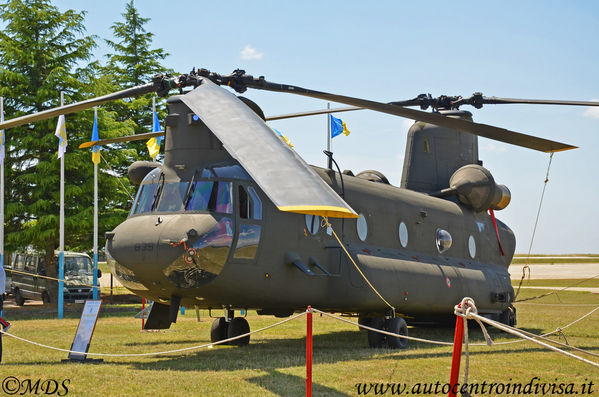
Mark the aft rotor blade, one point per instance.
(281, 173)
(78, 106)
(495, 100)
(137, 137)
(484, 130)
(313, 113)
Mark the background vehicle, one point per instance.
(26, 283)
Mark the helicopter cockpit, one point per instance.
(226, 194)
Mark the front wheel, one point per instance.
(19, 300)
(397, 325)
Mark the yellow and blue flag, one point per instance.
(338, 127)
(153, 144)
(61, 134)
(95, 137)
(283, 137)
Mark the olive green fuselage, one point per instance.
(237, 250)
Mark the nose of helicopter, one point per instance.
(146, 249)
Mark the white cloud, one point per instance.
(250, 52)
(592, 111)
(498, 148)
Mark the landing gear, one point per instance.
(508, 316)
(396, 325)
(230, 327)
(19, 300)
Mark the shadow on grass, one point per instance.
(290, 385)
(333, 347)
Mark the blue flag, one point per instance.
(153, 144)
(95, 137)
(338, 127)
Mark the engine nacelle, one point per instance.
(476, 187)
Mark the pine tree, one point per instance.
(44, 51)
(134, 63)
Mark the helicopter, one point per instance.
(234, 219)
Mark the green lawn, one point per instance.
(274, 363)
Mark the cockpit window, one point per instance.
(225, 171)
(146, 198)
(201, 192)
(250, 206)
(211, 196)
(173, 196)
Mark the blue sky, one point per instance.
(396, 50)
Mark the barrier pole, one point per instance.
(143, 306)
(309, 352)
(457, 355)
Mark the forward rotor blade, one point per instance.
(484, 130)
(313, 113)
(78, 106)
(128, 138)
(495, 100)
(283, 176)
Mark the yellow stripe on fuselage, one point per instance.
(320, 210)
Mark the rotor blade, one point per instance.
(78, 106)
(312, 113)
(495, 100)
(484, 130)
(279, 171)
(128, 138)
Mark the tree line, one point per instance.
(44, 51)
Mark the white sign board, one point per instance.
(85, 330)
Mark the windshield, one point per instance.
(78, 265)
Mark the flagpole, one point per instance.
(95, 219)
(61, 243)
(329, 161)
(2, 185)
(153, 113)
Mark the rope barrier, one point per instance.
(160, 352)
(328, 224)
(54, 279)
(469, 312)
(117, 178)
(473, 315)
(534, 230)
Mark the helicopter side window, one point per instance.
(224, 200)
(250, 206)
(172, 196)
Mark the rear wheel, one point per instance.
(397, 325)
(239, 326)
(19, 300)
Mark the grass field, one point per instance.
(274, 362)
(553, 259)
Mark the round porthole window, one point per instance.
(443, 240)
(472, 247)
(362, 227)
(312, 223)
(403, 234)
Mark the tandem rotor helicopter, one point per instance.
(235, 219)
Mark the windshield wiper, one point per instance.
(189, 190)
(157, 193)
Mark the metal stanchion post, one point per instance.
(309, 352)
(457, 355)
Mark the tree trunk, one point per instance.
(52, 271)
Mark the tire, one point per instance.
(376, 340)
(46, 298)
(364, 321)
(19, 300)
(218, 331)
(397, 325)
(239, 326)
(508, 317)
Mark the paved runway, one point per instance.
(557, 271)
